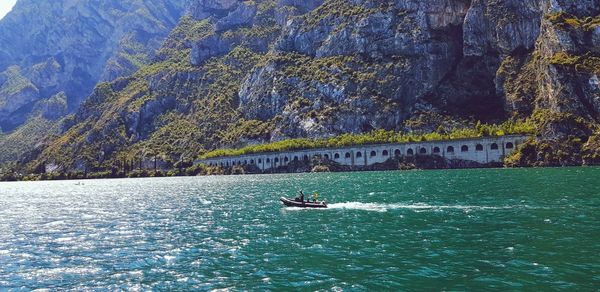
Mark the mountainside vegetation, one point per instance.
(380, 137)
(65, 48)
(281, 74)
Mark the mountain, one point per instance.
(237, 72)
(59, 50)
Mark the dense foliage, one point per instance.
(380, 137)
(566, 21)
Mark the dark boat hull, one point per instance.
(292, 203)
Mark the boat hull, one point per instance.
(292, 203)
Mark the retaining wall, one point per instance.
(481, 150)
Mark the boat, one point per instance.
(300, 204)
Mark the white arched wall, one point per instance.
(266, 161)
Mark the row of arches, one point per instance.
(359, 154)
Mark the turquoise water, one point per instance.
(494, 229)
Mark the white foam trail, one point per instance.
(378, 207)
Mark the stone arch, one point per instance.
(410, 152)
(326, 156)
(268, 160)
(276, 159)
(358, 154)
(450, 149)
(385, 153)
(227, 164)
(423, 150)
(494, 146)
(510, 145)
(295, 158)
(464, 148)
(348, 155)
(305, 157)
(373, 153)
(397, 152)
(251, 161)
(259, 160)
(336, 156)
(286, 159)
(478, 147)
(436, 150)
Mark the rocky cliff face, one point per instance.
(557, 84)
(235, 72)
(66, 47)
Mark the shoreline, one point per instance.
(162, 174)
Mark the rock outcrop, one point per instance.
(69, 46)
(239, 72)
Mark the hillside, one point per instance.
(62, 49)
(233, 73)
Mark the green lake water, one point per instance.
(492, 229)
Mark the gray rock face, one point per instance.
(209, 47)
(16, 92)
(596, 40)
(204, 9)
(68, 46)
(412, 45)
(228, 15)
(270, 70)
(302, 5)
(501, 27)
(52, 108)
(228, 21)
(581, 8)
(444, 53)
(563, 88)
(261, 105)
(286, 9)
(241, 16)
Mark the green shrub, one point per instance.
(379, 137)
(583, 63)
(566, 21)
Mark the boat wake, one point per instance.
(378, 207)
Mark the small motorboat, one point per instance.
(301, 204)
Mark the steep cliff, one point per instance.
(558, 84)
(237, 72)
(49, 47)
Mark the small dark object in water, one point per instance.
(299, 204)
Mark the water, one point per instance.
(496, 229)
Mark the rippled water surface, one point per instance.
(461, 229)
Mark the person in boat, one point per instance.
(315, 197)
(301, 196)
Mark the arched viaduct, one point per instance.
(481, 150)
